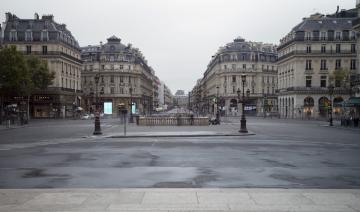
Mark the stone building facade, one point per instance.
(222, 79)
(125, 78)
(54, 43)
(308, 56)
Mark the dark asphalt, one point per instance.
(282, 154)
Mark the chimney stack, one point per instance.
(36, 16)
(8, 16)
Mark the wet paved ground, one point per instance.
(282, 154)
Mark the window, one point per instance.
(102, 67)
(28, 36)
(233, 78)
(352, 35)
(225, 66)
(112, 90)
(337, 64)
(308, 81)
(308, 65)
(102, 90)
(337, 83)
(338, 35)
(352, 64)
(268, 90)
(234, 89)
(323, 65)
(121, 67)
(121, 79)
(129, 80)
(112, 67)
(322, 35)
(253, 66)
(121, 90)
(44, 36)
(353, 48)
(308, 49)
(273, 90)
(308, 36)
(13, 36)
(253, 89)
(112, 79)
(233, 66)
(244, 66)
(323, 48)
(323, 81)
(28, 49)
(102, 79)
(44, 49)
(338, 48)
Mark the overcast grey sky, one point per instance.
(177, 37)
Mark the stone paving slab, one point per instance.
(210, 200)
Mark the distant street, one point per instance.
(282, 154)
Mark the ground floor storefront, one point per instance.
(111, 106)
(47, 104)
(318, 106)
(231, 106)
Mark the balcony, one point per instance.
(304, 53)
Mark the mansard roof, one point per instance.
(57, 32)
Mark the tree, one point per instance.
(13, 72)
(340, 78)
(39, 72)
(20, 75)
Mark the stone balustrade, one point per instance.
(173, 121)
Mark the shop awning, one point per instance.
(355, 101)
(352, 102)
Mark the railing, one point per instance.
(173, 121)
(317, 52)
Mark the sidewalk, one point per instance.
(277, 200)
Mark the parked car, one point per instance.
(85, 117)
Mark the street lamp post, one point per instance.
(131, 104)
(243, 128)
(331, 92)
(97, 130)
(217, 106)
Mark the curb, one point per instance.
(181, 136)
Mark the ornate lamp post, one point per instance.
(97, 130)
(131, 104)
(331, 92)
(217, 105)
(243, 128)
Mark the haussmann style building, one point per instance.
(54, 43)
(308, 56)
(125, 78)
(218, 88)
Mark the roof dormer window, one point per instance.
(308, 35)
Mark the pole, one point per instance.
(97, 130)
(331, 110)
(243, 119)
(124, 124)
